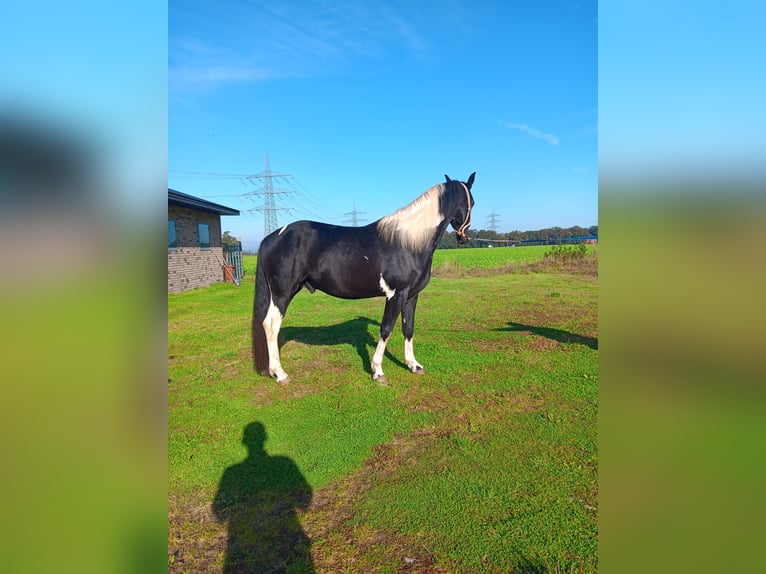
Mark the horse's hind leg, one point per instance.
(272, 324)
(408, 328)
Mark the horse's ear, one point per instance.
(469, 183)
(447, 178)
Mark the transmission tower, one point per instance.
(492, 219)
(354, 219)
(269, 208)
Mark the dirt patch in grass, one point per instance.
(587, 265)
(516, 344)
(196, 541)
(340, 543)
(264, 390)
(260, 533)
(343, 542)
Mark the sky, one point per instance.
(365, 105)
(682, 87)
(80, 68)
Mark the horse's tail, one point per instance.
(260, 308)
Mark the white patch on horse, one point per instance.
(414, 225)
(409, 357)
(271, 324)
(281, 230)
(386, 288)
(367, 258)
(377, 361)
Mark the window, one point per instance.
(204, 235)
(172, 237)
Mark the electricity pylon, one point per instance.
(269, 208)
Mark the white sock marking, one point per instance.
(377, 359)
(409, 356)
(271, 325)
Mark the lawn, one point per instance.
(487, 463)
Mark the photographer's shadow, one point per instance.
(259, 498)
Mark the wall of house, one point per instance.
(189, 266)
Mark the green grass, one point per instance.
(485, 464)
(488, 258)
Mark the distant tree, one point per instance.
(229, 239)
(577, 231)
(547, 235)
(487, 234)
(448, 241)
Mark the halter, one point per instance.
(466, 222)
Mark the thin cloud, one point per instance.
(215, 74)
(535, 133)
(281, 40)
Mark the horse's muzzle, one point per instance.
(462, 239)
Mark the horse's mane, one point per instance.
(413, 226)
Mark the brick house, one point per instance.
(195, 252)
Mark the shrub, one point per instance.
(566, 252)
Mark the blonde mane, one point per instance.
(413, 226)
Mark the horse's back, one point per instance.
(315, 239)
(341, 261)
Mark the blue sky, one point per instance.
(368, 104)
(682, 87)
(80, 68)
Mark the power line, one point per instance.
(203, 174)
(294, 197)
(354, 219)
(301, 208)
(318, 205)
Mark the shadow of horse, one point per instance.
(258, 498)
(554, 334)
(354, 332)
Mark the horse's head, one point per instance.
(461, 216)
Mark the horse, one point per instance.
(390, 257)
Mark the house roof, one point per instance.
(185, 200)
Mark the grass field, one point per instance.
(496, 257)
(485, 464)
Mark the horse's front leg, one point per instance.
(408, 328)
(394, 305)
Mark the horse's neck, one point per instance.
(440, 230)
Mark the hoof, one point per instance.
(381, 380)
(419, 370)
(283, 381)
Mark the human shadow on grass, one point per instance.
(551, 333)
(258, 498)
(354, 332)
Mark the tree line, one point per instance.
(549, 235)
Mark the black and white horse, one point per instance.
(390, 257)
